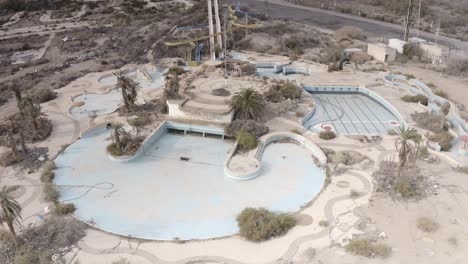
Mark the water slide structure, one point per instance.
(197, 43)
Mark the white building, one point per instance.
(381, 52)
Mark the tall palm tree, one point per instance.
(117, 127)
(248, 104)
(404, 146)
(11, 209)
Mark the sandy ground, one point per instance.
(395, 218)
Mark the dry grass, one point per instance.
(432, 121)
(427, 224)
(368, 248)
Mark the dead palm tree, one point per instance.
(11, 209)
(129, 89)
(117, 128)
(404, 146)
(31, 111)
(171, 90)
(248, 104)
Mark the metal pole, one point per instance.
(246, 22)
(419, 17)
(225, 44)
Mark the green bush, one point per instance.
(261, 224)
(251, 126)
(176, 70)
(444, 139)
(246, 140)
(327, 135)
(64, 209)
(368, 248)
(415, 98)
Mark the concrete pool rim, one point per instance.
(348, 89)
(97, 129)
(264, 141)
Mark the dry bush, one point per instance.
(348, 157)
(427, 225)
(261, 224)
(121, 261)
(128, 146)
(327, 135)
(38, 243)
(221, 92)
(411, 50)
(251, 126)
(415, 99)
(48, 174)
(64, 209)
(360, 57)
(281, 91)
(432, 121)
(441, 93)
(42, 95)
(457, 67)
(444, 138)
(350, 32)
(141, 121)
(368, 248)
(248, 69)
(323, 223)
(410, 185)
(50, 193)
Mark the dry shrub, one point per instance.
(410, 185)
(324, 223)
(141, 121)
(43, 95)
(432, 121)
(261, 224)
(457, 67)
(350, 32)
(128, 146)
(360, 57)
(221, 92)
(38, 243)
(327, 135)
(251, 126)
(248, 69)
(50, 193)
(441, 94)
(427, 225)
(368, 248)
(415, 99)
(444, 138)
(281, 91)
(348, 157)
(411, 50)
(64, 209)
(48, 174)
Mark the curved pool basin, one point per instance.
(158, 196)
(350, 110)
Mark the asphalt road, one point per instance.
(332, 20)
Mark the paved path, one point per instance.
(333, 20)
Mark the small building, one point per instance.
(397, 44)
(381, 52)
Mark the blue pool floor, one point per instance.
(158, 196)
(351, 114)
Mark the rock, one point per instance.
(41, 158)
(382, 235)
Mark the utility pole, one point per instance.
(266, 8)
(211, 30)
(408, 20)
(218, 25)
(419, 18)
(225, 17)
(246, 22)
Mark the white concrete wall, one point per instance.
(176, 112)
(381, 52)
(397, 44)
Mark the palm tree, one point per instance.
(129, 89)
(11, 209)
(404, 147)
(171, 90)
(31, 111)
(117, 127)
(248, 104)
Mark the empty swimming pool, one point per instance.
(159, 196)
(350, 110)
